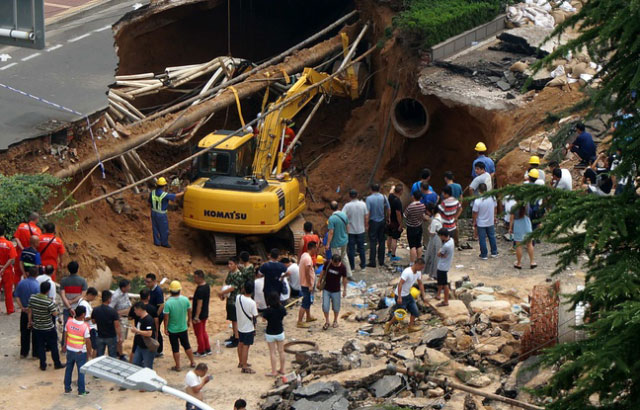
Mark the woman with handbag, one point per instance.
(144, 341)
(329, 283)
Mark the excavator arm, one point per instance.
(270, 140)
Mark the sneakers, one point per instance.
(196, 354)
(207, 353)
(67, 391)
(495, 256)
(84, 393)
(60, 366)
(395, 259)
(484, 258)
(303, 325)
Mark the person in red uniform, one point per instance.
(23, 236)
(51, 248)
(308, 236)
(8, 257)
(290, 135)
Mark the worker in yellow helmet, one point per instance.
(481, 152)
(534, 164)
(159, 200)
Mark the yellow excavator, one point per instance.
(241, 188)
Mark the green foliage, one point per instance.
(211, 279)
(433, 21)
(22, 194)
(137, 283)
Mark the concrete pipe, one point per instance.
(409, 117)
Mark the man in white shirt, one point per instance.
(89, 297)
(560, 177)
(483, 177)
(194, 381)
(358, 216)
(404, 299)
(484, 219)
(293, 273)
(258, 296)
(246, 312)
(46, 277)
(120, 301)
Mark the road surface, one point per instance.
(73, 70)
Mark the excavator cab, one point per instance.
(232, 158)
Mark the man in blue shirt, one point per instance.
(379, 214)
(24, 290)
(583, 146)
(159, 200)
(425, 177)
(30, 257)
(428, 195)
(456, 189)
(337, 236)
(489, 166)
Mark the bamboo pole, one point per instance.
(257, 69)
(143, 165)
(110, 120)
(209, 83)
(123, 110)
(120, 93)
(139, 83)
(146, 90)
(134, 77)
(119, 116)
(207, 69)
(128, 175)
(125, 103)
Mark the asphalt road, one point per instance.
(73, 71)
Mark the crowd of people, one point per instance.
(29, 271)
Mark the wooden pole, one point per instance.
(128, 175)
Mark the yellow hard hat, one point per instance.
(415, 293)
(480, 147)
(534, 160)
(161, 181)
(400, 314)
(320, 259)
(175, 286)
(534, 173)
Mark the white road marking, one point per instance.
(73, 40)
(54, 48)
(8, 66)
(27, 58)
(107, 27)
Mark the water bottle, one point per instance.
(338, 189)
(218, 347)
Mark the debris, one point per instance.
(387, 385)
(435, 337)
(504, 86)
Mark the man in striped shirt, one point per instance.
(41, 310)
(414, 215)
(450, 209)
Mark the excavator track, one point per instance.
(297, 232)
(223, 247)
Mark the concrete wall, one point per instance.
(458, 43)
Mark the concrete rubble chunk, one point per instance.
(471, 376)
(503, 85)
(480, 306)
(362, 377)
(410, 402)
(435, 337)
(420, 351)
(315, 389)
(529, 39)
(484, 289)
(455, 309)
(437, 392)
(386, 386)
(487, 349)
(485, 298)
(463, 342)
(271, 403)
(332, 403)
(405, 354)
(434, 357)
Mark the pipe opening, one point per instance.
(410, 117)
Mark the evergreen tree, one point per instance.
(602, 371)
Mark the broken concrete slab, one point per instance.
(455, 309)
(481, 306)
(404, 354)
(503, 85)
(315, 389)
(485, 298)
(530, 40)
(332, 403)
(362, 377)
(471, 376)
(414, 402)
(435, 337)
(420, 351)
(271, 403)
(388, 385)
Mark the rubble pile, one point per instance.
(474, 341)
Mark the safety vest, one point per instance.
(75, 335)
(156, 202)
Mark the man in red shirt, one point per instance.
(23, 236)
(8, 257)
(308, 236)
(51, 248)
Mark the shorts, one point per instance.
(414, 236)
(306, 297)
(295, 293)
(393, 230)
(231, 312)
(442, 277)
(274, 338)
(177, 339)
(409, 304)
(246, 338)
(330, 299)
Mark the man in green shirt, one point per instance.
(177, 319)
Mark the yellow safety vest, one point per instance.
(156, 202)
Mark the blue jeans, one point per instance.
(77, 359)
(110, 342)
(143, 357)
(409, 304)
(356, 240)
(330, 298)
(483, 232)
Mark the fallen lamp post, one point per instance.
(134, 377)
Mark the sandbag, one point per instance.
(519, 67)
(579, 69)
(558, 16)
(558, 81)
